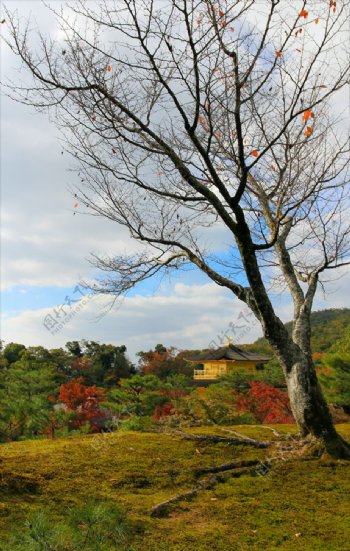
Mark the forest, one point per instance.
(91, 387)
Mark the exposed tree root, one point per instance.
(224, 439)
(236, 469)
(336, 448)
(274, 431)
(239, 434)
(298, 447)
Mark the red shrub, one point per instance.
(84, 401)
(163, 410)
(267, 403)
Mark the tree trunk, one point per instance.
(308, 404)
(310, 408)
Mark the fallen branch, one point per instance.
(161, 510)
(228, 466)
(225, 440)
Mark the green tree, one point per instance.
(12, 352)
(25, 387)
(105, 365)
(336, 378)
(137, 396)
(343, 343)
(74, 348)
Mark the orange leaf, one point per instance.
(109, 68)
(273, 168)
(316, 20)
(303, 14)
(221, 13)
(75, 205)
(308, 131)
(255, 153)
(278, 53)
(307, 114)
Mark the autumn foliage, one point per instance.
(163, 362)
(267, 403)
(168, 407)
(84, 402)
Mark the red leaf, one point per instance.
(109, 68)
(75, 205)
(255, 153)
(307, 114)
(268, 404)
(303, 13)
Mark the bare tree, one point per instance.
(188, 117)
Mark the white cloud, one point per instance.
(190, 317)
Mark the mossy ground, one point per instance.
(300, 504)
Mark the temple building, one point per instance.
(221, 361)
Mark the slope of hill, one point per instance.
(298, 504)
(327, 327)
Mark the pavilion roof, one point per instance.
(228, 352)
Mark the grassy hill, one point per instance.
(327, 327)
(298, 504)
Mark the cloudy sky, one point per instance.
(45, 250)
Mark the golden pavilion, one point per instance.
(221, 361)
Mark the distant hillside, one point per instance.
(327, 327)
